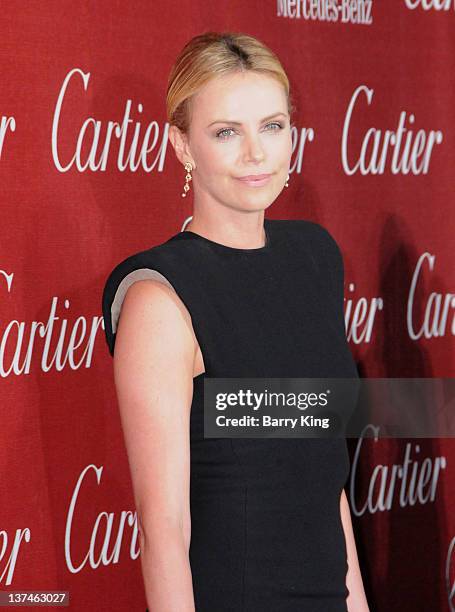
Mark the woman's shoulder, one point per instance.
(305, 227)
(154, 263)
(155, 254)
(313, 236)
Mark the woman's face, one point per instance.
(240, 126)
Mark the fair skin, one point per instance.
(154, 401)
(225, 209)
(356, 600)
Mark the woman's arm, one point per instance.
(356, 601)
(153, 371)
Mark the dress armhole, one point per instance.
(115, 290)
(127, 281)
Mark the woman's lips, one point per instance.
(256, 181)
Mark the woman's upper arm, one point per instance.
(153, 371)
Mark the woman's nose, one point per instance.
(253, 149)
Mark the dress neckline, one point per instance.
(188, 234)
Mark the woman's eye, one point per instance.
(223, 134)
(280, 126)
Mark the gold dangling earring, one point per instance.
(287, 182)
(188, 178)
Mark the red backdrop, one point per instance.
(373, 162)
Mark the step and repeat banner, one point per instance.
(88, 177)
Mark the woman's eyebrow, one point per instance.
(239, 122)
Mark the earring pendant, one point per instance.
(188, 178)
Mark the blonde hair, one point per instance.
(213, 54)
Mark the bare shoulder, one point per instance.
(155, 335)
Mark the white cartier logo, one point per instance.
(106, 143)
(413, 481)
(401, 150)
(21, 535)
(106, 540)
(438, 309)
(429, 314)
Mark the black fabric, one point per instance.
(266, 531)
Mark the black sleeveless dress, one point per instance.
(266, 531)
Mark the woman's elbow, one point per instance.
(156, 530)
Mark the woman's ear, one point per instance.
(180, 144)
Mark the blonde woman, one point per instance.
(252, 525)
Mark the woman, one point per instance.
(232, 524)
